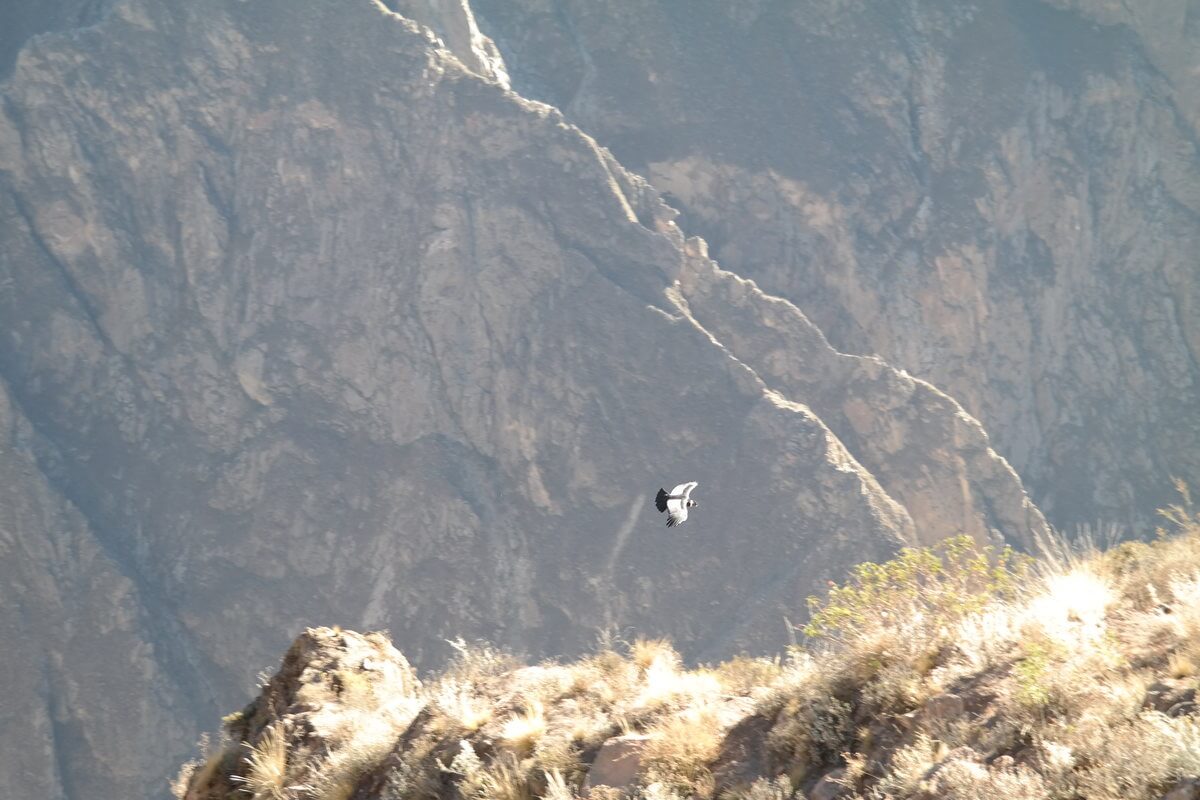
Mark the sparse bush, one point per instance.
(1141, 758)
(942, 583)
(964, 779)
(1029, 673)
(898, 687)
(908, 767)
(811, 729)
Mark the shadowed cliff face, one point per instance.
(1002, 198)
(79, 657)
(20, 21)
(309, 322)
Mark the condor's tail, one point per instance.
(660, 502)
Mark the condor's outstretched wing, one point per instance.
(675, 503)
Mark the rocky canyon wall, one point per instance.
(308, 319)
(1000, 197)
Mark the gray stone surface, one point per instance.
(618, 763)
(829, 787)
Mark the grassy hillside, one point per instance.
(950, 672)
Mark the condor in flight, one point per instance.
(676, 503)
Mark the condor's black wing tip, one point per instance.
(660, 502)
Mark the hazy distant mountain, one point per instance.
(309, 319)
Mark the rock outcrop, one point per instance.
(338, 700)
(1001, 198)
(21, 21)
(309, 321)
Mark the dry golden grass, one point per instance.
(366, 741)
(1181, 665)
(680, 750)
(505, 779)
(460, 706)
(266, 765)
(648, 652)
(521, 731)
(557, 787)
(743, 675)
(949, 674)
(559, 753)
(200, 773)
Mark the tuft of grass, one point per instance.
(665, 685)
(559, 754)
(521, 731)
(556, 787)
(266, 765)
(1181, 665)
(459, 705)
(198, 775)
(646, 653)
(680, 750)
(505, 779)
(367, 738)
(743, 675)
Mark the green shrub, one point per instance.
(946, 581)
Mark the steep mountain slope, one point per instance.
(1002, 198)
(20, 21)
(79, 656)
(314, 323)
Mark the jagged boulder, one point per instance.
(743, 757)
(336, 706)
(618, 764)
